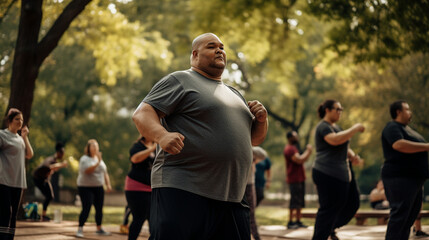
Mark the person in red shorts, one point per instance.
(295, 177)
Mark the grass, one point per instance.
(112, 215)
(265, 214)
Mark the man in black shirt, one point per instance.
(404, 171)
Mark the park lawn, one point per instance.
(265, 214)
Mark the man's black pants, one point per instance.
(405, 196)
(181, 215)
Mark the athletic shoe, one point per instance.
(123, 229)
(301, 225)
(292, 225)
(333, 236)
(421, 234)
(79, 233)
(45, 219)
(101, 232)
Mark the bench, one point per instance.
(362, 215)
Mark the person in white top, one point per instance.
(92, 176)
(14, 149)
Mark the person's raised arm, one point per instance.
(92, 168)
(406, 146)
(142, 155)
(339, 138)
(28, 149)
(57, 166)
(260, 123)
(301, 158)
(147, 120)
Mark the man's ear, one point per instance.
(398, 112)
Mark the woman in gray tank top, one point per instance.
(332, 174)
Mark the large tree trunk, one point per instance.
(24, 68)
(30, 54)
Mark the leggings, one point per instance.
(338, 202)
(127, 213)
(9, 202)
(46, 188)
(139, 203)
(91, 196)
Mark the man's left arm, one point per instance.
(260, 122)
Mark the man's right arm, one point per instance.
(406, 146)
(147, 120)
(301, 158)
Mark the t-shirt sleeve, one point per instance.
(49, 161)
(392, 134)
(103, 166)
(165, 95)
(268, 163)
(325, 129)
(136, 148)
(291, 151)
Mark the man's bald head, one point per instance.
(198, 40)
(208, 55)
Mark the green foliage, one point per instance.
(117, 44)
(375, 30)
(8, 32)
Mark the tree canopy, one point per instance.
(376, 29)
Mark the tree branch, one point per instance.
(244, 75)
(51, 39)
(303, 117)
(7, 10)
(284, 122)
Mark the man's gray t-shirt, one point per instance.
(216, 122)
(12, 160)
(331, 160)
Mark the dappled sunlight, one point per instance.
(73, 163)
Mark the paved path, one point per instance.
(66, 230)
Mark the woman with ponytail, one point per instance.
(332, 173)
